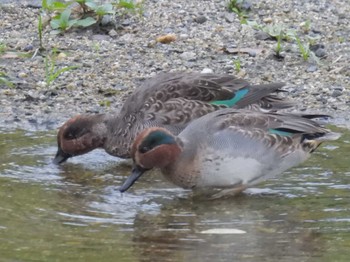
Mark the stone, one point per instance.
(230, 17)
(200, 19)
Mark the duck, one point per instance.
(168, 100)
(229, 149)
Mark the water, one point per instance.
(74, 212)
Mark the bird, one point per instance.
(168, 100)
(229, 149)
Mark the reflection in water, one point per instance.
(174, 234)
(75, 212)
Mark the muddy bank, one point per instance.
(113, 60)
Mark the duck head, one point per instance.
(80, 135)
(153, 147)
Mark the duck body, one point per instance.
(169, 100)
(229, 149)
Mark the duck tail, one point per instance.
(330, 136)
(315, 140)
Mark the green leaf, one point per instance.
(44, 4)
(72, 22)
(126, 4)
(55, 32)
(62, 70)
(83, 1)
(55, 23)
(85, 22)
(59, 6)
(65, 15)
(91, 5)
(104, 9)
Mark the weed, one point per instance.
(54, 6)
(278, 48)
(306, 26)
(341, 39)
(51, 71)
(89, 12)
(40, 32)
(63, 22)
(130, 6)
(105, 103)
(303, 49)
(101, 10)
(96, 46)
(237, 64)
(2, 48)
(5, 81)
(237, 7)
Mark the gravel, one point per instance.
(115, 58)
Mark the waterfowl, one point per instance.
(168, 100)
(228, 149)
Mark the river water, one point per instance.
(74, 212)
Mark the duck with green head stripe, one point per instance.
(229, 149)
(168, 100)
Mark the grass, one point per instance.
(278, 48)
(237, 64)
(51, 70)
(2, 48)
(5, 81)
(280, 33)
(303, 49)
(236, 6)
(40, 32)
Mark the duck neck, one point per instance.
(117, 136)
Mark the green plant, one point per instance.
(5, 81)
(2, 48)
(303, 49)
(51, 71)
(40, 32)
(84, 13)
(101, 10)
(63, 21)
(278, 48)
(51, 5)
(105, 103)
(341, 39)
(130, 6)
(306, 26)
(236, 6)
(237, 64)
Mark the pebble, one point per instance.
(260, 35)
(312, 68)
(200, 19)
(22, 74)
(321, 53)
(113, 33)
(189, 56)
(207, 71)
(61, 56)
(126, 22)
(230, 17)
(337, 93)
(28, 48)
(267, 20)
(106, 20)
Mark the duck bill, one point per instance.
(136, 173)
(61, 157)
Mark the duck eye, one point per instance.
(144, 149)
(70, 136)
